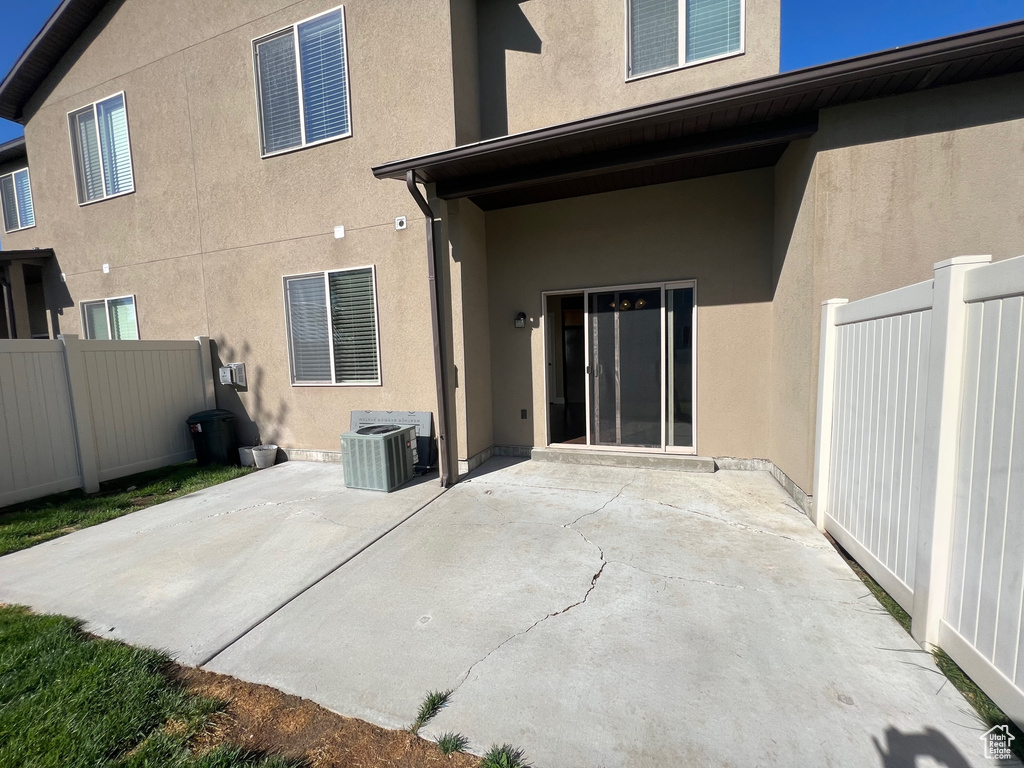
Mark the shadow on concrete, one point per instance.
(502, 27)
(905, 748)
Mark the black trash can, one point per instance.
(213, 435)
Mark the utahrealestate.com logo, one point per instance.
(997, 743)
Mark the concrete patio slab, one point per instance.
(618, 617)
(190, 575)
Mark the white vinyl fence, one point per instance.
(73, 412)
(919, 469)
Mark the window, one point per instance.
(332, 327)
(665, 34)
(302, 84)
(16, 200)
(101, 149)
(110, 319)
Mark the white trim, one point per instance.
(998, 280)
(379, 381)
(298, 83)
(106, 308)
(913, 298)
(682, 62)
(17, 208)
(99, 148)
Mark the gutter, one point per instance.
(440, 370)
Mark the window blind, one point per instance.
(308, 328)
(354, 325)
(96, 320)
(114, 150)
(87, 155)
(9, 203)
(123, 322)
(279, 94)
(654, 35)
(712, 28)
(23, 193)
(324, 80)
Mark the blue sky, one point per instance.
(813, 31)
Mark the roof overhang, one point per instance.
(11, 151)
(65, 25)
(36, 256)
(747, 125)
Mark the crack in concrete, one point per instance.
(566, 609)
(193, 521)
(739, 526)
(602, 507)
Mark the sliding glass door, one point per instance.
(626, 377)
(640, 367)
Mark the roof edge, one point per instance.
(13, 149)
(916, 55)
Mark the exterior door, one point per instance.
(625, 328)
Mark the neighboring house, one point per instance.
(637, 216)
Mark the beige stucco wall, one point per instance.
(716, 230)
(212, 227)
(551, 61)
(470, 321)
(885, 190)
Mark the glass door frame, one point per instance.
(664, 287)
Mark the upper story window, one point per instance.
(108, 319)
(302, 84)
(665, 34)
(101, 149)
(332, 327)
(16, 200)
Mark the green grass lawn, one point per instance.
(23, 525)
(69, 700)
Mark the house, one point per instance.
(634, 216)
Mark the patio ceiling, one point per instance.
(748, 125)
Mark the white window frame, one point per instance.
(103, 173)
(106, 306)
(294, 28)
(17, 208)
(681, 56)
(330, 329)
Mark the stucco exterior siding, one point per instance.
(205, 240)
(716, 230)
(550, 61)
(885, 190)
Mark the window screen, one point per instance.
(101, 150)
(706, 28)
(332, 327)
(106, 319)
(712, 28)
(305, 101)
(16, 201)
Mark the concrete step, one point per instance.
(591, 457)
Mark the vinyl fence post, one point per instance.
(206, 371)
(939, 449)
(826, 408)
(81, 409)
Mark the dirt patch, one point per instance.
(264, 719)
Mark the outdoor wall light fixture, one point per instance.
(521, 320)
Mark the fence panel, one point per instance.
(879, 397)
(73, 412)
(982, 621)
(37, 433)
(140, 394)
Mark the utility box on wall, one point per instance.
(233, 375)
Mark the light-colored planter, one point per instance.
(245, 456)
(265, 455)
